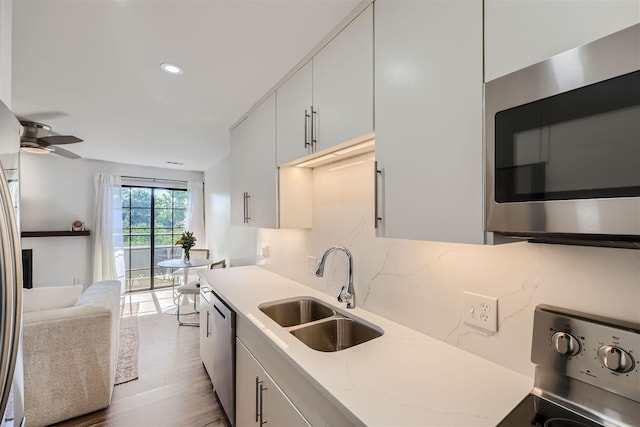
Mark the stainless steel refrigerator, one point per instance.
(11, 383)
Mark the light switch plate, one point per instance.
(481, 311)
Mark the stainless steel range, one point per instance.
(587, 372)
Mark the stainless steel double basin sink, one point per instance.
(318, 325)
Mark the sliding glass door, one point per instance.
(153, 220)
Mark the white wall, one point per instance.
(54, 192)
(233, 243)
(420, 284)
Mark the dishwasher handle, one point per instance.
(208, 323)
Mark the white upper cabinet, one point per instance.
(343, 84)
(263, 195)
(294, 116)
(428, 119)
(253, 168)
(330, 99)
(519, 33)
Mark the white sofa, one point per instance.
(70, 352)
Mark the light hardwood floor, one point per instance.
(172, 388)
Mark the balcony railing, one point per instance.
(138, 266)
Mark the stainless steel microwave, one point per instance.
(563, 146)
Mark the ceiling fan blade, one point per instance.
(59, 139)
(65, 153)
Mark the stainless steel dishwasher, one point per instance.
(223, 375)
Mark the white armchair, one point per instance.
(70, 352)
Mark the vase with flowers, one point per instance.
(187, 241)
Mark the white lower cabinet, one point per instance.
(259, 400)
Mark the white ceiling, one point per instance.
(91, 69)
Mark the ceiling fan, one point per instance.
(37, 138)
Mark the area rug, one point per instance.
(127, 369)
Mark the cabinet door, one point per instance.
(247, 393)
(428, 115)
(293, 101)
(206, 345)
(256, 392)
(253, 168)
(519, 33)
(343, 84)
(277, 409)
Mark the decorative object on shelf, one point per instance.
(77, 225)
(187, 241)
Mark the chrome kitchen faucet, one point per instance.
(348, 296)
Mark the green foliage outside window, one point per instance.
(170, 207)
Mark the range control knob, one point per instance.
(615, 359)
(565, 343)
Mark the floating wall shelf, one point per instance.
(54, 233)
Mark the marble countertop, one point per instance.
(403, 378)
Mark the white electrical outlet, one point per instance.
(312, 264)
(481, 311)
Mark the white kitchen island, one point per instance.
(403, 378)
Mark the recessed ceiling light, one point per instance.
(170, 68)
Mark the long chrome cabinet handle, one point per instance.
(376, 214)
(262, 420)
(307, 117)
(246, 198)
(314, 129)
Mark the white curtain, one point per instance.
(195, 212)
(108, 243)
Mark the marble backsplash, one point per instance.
(420, 284)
